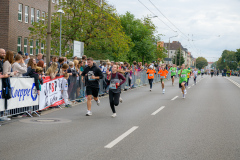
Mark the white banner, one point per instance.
(24, 93)
(50, 94)
(78, 49)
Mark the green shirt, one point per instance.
(173, 71)
(183, 77)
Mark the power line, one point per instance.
(167, 18)
(156, 15)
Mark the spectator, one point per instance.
(27, 58)
(40, 64)
(112, 63)
(104, 67)
(75, 58)
(60, 63)
(64, 69)
(20, 53)
(2, 56)
(53, 60)
(19, 66)
(52, 70)
(39, 57)
(84, 60)
(8, 60)
(80, 66)
(31, 66)
(65, 60)
(73, 74)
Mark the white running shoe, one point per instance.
(183, 96)
(89, 113)
(98, 102)
(114, 115)
(185, 91)
(120, 100)
(163, 91)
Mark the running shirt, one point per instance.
(163, 73)
(173, 71)
(183, 77)
(202, 70)
(195, 73)
(188, 75)
(150, 73)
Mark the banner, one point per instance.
(50, 94)
(24, 93)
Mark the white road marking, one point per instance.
(193, 85)
(189, 87)
(175, 98)
(124, 135)
(161, 108)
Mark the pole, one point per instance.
(180, 57)
(168, 49)
(49, 31)
(60, 51)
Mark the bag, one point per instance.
(6, 88)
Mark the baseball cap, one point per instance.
(20, 52)
(26, 54)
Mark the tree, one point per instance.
(230, 59)
(237, 54)
(99, 27)
(178, 56)
(201, 62)
(142, 34)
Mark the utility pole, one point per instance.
(168, 49)
(180, 57)
(49, 31)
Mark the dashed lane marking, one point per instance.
(120, 138)
(158, 110)
(174, 98)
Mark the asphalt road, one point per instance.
(148, 126)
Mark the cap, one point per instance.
(26, 54)
(20, 52)
(151, 67)
(121, 62)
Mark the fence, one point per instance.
(27, 101)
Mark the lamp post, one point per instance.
(49, 31)
(169, 46)
(61, 12)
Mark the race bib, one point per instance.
(183, 75)
(150, 75)
(90, 74)
(162, 77)
(112, 86)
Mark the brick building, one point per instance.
(16, 16)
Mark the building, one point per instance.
(16, 16)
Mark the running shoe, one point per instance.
(185, 91)
(89, 113)
(163, 91)
(150, 90)
(120, 100)
(183, 96)
(114, 115)
(98, 102)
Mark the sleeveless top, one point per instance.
(112, 86)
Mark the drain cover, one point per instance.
(45, 120)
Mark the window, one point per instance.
(57, 1)
(26, 14)
(19, 44)
(20, 12)
(32, 15)
(42, 48)
(37, 47)
(38, 15)
(31, 46)
(53, 1)
(25, 45)
(43, 16)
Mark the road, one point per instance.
(148, 126)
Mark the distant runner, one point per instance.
(195, 73)
(183, 79)
(163, 75)
(150, 73)
(173, 70)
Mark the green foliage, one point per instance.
(231, 60)
(99, 27)
(201, 62)
(178, 56)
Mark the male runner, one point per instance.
(163, 75)
(195, 73)
(202, 72)
(173, 73)
(183, 79)
(93, 74)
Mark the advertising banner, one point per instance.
(50, 94)
(24, 93)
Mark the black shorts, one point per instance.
(92, 91)
(173, 76)
(180, 86)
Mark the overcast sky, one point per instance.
(209, 26)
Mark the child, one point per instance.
(163, 75)
(65, 89)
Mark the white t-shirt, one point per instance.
(64, 84)
(195, 73)
(202, 70)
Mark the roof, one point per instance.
(174, 46)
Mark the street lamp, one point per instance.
(61, 12)
(169, 45)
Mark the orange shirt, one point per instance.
(163, 73)
(150, 73)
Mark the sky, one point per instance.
(205, 27)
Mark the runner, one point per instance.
(188, 75)
(183, 79)
(202, 72)
(173, 73)
(195, 73)
(115, 88)
(93, 74)
(150, 73)
(212, 73)
(163, 75)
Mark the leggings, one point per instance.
(114, 100)
(150, 82)
(129, 82)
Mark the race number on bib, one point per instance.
(150, 75)
(183, 75)
(112, 86)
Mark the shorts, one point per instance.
(180, 86)
(163, 80)
(92, 91)
(173, 76)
